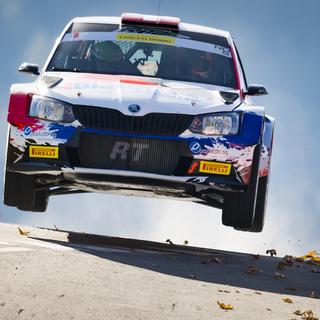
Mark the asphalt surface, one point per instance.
(51, 274)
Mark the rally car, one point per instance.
(141, 105)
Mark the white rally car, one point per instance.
(141, 105)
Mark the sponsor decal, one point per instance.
(195, 147)
(215, 168)
(27, 130)
(122, 149)
(43, 152)
(146, 38)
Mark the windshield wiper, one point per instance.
(65, 69)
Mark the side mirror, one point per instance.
(256, 90)
(29, 68)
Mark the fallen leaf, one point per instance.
(309, 257)
(225, 306)
(217, 260)
(169, 241)
(311, 254)
(291, 289)
(315, 270)
(185, 242)
(279, 275)
(268, 309)
(258, 292)
(211, 259)
(272, 252)
(288, 259)
(287, 300)
(298, 313)
(23, 232)
(253, 270)
(307, 315)
(225, 291)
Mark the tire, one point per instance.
(261, 204)
(239, 207)
(20, 191)
(11, 182)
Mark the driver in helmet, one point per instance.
(107, 56)
(201, 67)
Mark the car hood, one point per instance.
(150, 94)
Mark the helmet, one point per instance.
(202, 66)
(107, 51)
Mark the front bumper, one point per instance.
(180, 159)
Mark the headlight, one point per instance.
(50, 109)
(216, 124)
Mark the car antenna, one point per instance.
(159, 4)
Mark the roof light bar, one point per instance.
(136, 18)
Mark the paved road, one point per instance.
(63, 275)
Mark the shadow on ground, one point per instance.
(200, 264)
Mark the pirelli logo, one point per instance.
(215, 168)
(44, 152)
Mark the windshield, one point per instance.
(184, 56)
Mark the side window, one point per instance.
(241, 71)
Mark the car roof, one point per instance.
(182, 25)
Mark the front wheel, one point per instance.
(20, 191)
(261, 203)
(239, 207)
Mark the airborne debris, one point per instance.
(169, 241)
(23, 232)
(272, 252)
(225, 306)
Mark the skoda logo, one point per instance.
(134, 108)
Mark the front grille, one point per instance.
(125, 153)
(114, 120)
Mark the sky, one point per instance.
(279, 47)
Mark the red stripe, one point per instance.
(235, 68)
(138, 82)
